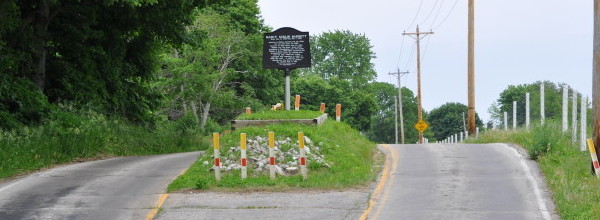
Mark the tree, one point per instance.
(382, 122)
(447, 120)
(343, 55)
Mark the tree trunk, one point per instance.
(40, 33)
(195, 111)
(205, 114)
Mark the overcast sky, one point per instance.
(516, 41)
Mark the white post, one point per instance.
(476, 131)
(272, 154)
(302, 155)
(574, 118)
(514, 115)
(527, 119)
(565, 108)
(217, 156)
(461, 136)
(505, 121)
(542, 103)
(455, 138)
(583, 122)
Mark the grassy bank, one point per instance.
(71, 136)
(349, 157)
(576, 191)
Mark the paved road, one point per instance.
(121, 188)
(461, 181)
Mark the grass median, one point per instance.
(348, 160)
(576, 192)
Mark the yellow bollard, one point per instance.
(338, 112)
(272, 154)
(322, 108)
(297, 103)
(303, 169)
(244, 160)
(248, 110)
(217, 156)
(590, 143)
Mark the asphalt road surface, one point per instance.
(120, 188)
(462, 181)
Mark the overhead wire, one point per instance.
(401, 50)
(410, 58)
(431, 12)
(417, 15)
(448, 15)
(437, 14)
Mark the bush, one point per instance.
(21, 102)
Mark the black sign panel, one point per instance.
(286, 48)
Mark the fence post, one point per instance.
(272, 154)
(302, 155)
(244, 160)
(297, 103)
(527, 119)
(574, 119)
(565, 108)
(217, 156)
(514, 119)
(505, 121)
(542, 103)
(476, 131)
(583, 122)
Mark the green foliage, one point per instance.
(350, 155)
(575, 190)
(21, 103)
(343, 55)
(447, 120)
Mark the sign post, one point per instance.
(286, 49)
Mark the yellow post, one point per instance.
(297, 103)
(338, 112)
(248, 110)
(272, 154)
(322, 108)
(594, 156)
(217, 156)
(244, 160)
(302, 155)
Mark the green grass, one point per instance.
(271, 114)
(350, 155)
(576, 191)
(76, 136)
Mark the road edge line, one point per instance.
(384, 176)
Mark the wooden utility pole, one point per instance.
(417, 36)
(471, 67)
(596, 77)
(399, 76)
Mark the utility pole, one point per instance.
(471, 67)
(596, 77)
(417, 36)
(396, 119)
(399, 76)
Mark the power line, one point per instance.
(448, 15)
(431, 12)
(400, 54)
(417, 15)
(437, 14)
(409, 62)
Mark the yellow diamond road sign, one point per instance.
(421, 126)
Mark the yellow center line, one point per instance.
(154, 210)
(390, 159)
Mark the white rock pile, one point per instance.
(287, 156)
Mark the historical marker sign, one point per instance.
(286, 48)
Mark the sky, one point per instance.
(516, 41)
